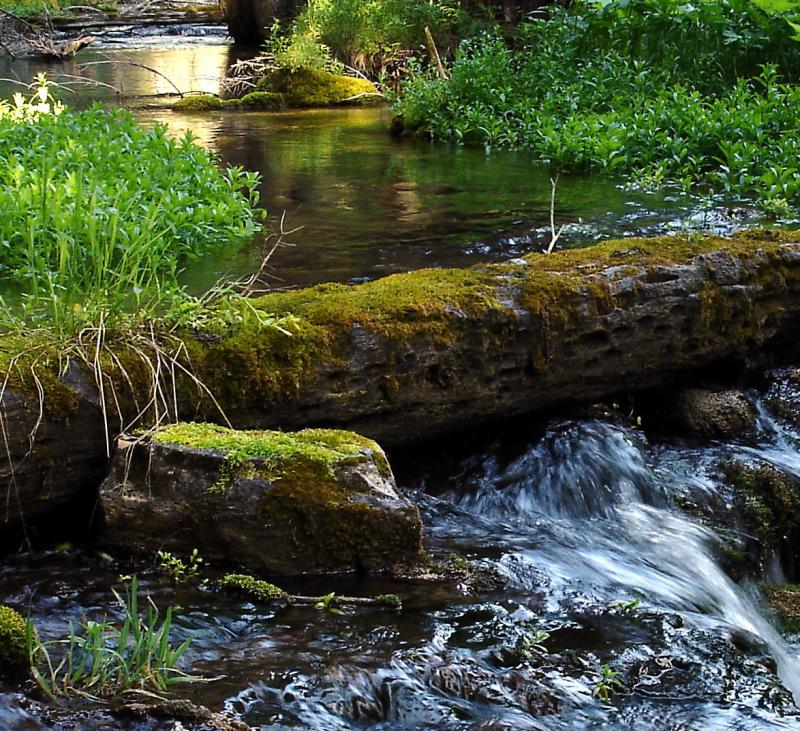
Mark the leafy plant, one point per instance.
(626, 606)
(328, 602)
(533, 644)
(607, 684)
(178, 570)
(101, 215)
(103, 659)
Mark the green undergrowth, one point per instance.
(364, 35)
(696, 95)
(36, 9)
(100, 215)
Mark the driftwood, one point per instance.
(426, 353)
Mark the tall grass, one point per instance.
(104, 659)
(99, 215)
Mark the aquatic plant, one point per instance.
(607, 684)
(104, 659)
(178, 570)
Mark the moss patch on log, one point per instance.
(433, 308)
(13, 638)
(251, 588)
(306, 87)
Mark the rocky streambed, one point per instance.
(633, 565)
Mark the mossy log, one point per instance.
(425, 353)
(315, 501)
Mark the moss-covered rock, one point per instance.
(198, 103)
(306, 87)
(254, 101)
(315, 501)
(768, 501)
(785, 602)
(13, 633)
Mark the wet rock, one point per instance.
(199, 718)
(719, 414)
(315, 501)
(768, 503)
(783, 395)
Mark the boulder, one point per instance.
(705, 413)
(310, 502)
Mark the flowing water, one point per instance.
(587, 560)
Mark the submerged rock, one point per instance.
(315, 501)
(706, 413)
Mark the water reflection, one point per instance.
(368, 205)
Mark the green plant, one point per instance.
(178, 570)
(365, 35)
(626, 606)
(607, 684)
(104, 659)
(533, 644)
(101, 215)
(328, 602)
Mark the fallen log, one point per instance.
(420, 354)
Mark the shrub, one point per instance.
(651, 92)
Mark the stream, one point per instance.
(575, 524)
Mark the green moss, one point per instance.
(785, 602)
(198, 103)
(389, 600)
(770, 499)
(278, 453)
(252, 588)
(308, 87)
(13, 634)
(262, 100)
